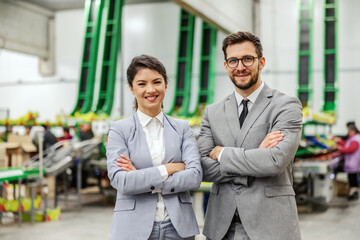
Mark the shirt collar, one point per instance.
(252, 97)
(145, 119)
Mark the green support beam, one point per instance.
(111, 49)
(181, 102)
(330, 55)
(93, 14)
(207, 68)
(305, 51)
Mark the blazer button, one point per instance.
(237, 192)
(172, 190)
(152, 188)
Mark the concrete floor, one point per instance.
(92, 222)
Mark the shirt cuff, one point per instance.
(219, 158)
(164, 176)
(163, 172)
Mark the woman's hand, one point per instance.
(272, 139)
(125, 163)
(174, 167)
(337, 139)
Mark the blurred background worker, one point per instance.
(351, 150)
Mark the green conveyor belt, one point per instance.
(111, 50)
(207, 69)
(93, 14)
(181, 102)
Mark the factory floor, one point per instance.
(92, 222)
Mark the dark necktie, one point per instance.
(244, 111)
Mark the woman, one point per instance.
(152, 162)
(351, 150)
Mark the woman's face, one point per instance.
(149, 90)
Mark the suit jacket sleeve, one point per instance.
(132, 182)
(190, 178)
(266, 162)
(211, 167)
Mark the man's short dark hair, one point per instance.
(240, 37)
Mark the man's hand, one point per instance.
(272, 139)
(174, 167)
(125, 163)
(214, 154)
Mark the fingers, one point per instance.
(125, 157)
(182, 166)
(179, 166)
(273, 142)
(122, 161)
(174, 167)
(126, 167)
(272, 139)
(275, 135)
(212, 154)
(125, 163)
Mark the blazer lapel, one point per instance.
(167, 137)
(141, 142)
(172, 140)
(259, 106)
(232, 116)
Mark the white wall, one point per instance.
(229, 17)
(349, 65)
(153, 29)
(23, 89)
(150, 29)
(279, 34)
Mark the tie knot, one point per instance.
(245, 101)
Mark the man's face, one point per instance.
(243, 77)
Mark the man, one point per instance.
(245, 156)
(49, 138)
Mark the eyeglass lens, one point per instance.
(246, 61)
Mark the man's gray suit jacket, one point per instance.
(256, 182)
(135, 206)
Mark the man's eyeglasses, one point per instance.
(247, 61)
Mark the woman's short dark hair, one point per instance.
(240, 37)
(145, 61)
(352, 126)
(141, 62)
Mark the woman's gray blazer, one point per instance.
(135, 206)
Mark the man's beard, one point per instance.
(252, 82)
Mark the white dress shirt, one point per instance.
(154, 132)
(252, 98)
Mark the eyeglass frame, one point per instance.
(241, 59)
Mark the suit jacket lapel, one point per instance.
(232, 116)
(259, 106)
